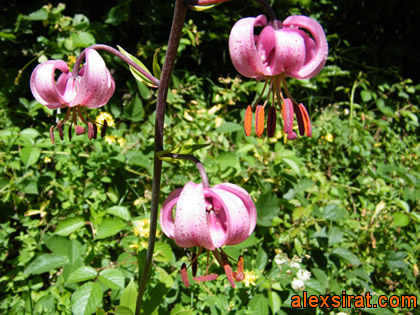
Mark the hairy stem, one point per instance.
(173, 43)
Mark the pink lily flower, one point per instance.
(209, 218)
(275, 54)
(91, 87)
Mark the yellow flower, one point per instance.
(105, 116)
(47, 160)
(141, 227)
(250, 278)
(329, 137)
(110, 139)
(121, 141)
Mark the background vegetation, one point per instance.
(343, 204)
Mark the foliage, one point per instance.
(342, 204)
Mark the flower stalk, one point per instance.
(178, 20)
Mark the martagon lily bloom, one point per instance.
(92, 86)
(280, 50)
(209, 218)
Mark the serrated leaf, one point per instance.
(129, 296)
(137, 74)
(120, 211)
(46, 262)
(112, 278)
(29, 155)
(109, 227)
(82, 274)
(69, 225)
(86, 299)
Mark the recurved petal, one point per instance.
(96, 84)
(320, 53)
(242, 47)
(166, 218)
(43, 85)
(191, 222)
(246, 199)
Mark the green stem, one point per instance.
(173, 43)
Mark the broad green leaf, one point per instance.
(346, 255)
(400, 219)
(293, 165)
(75, 250)
(82, 274)
(86, 299)
(112, 278)
(259, 304)
(29, 132)
(163, 252)
(267, 208)
(46, 262)
(335, 235)
(109, 227)
(395, 260)
(275, 301)
(134, 110)
(120, 211)
(129, 296)
(29, 155)
(138, 159)
(123, 310)
(137, 74)
(321, 277)
(179, 309)
(82, 39)
(58, 245)
(229, 127)
(69, 225)
(158, 293)
(180, 149)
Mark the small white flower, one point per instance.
(297, 259)
(280, 259)
(298, 284)
(303, 275)
(294, 264)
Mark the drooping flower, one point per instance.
(275, 54)
(209, 218)
(91, 86)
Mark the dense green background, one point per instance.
(349, 207)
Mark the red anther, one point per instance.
(259, 120)
(104, 126)
(60, 130)
(306, 120)
(90, 131)
(299, 119)
(79, 130)
(229, 275)
(239, 274)
(287, 112)
(292, 136)
(248, 120)
(184, 275)
(271, 121)
(209, 277)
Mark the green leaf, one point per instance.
(29, 155)
(46, 262)
(158, 293)
(293, 165)
(123, 310)
(120, 211)
(82, 274)
(395, 260)
(321, 277)
(137, 74)
(400, 219)
(134, 110)
(259, 304)
(156, 68)
(112, 278)
(229, 127)
(58, 245)
(129, 296)
(109, 227)
(180, 149)
(267, 208)
(86, 299)
(82, 39)
(275, 301)
(138, 159)
(69, 225)
(346, 255)
(365, 95)
(200, 8)
(163, 253)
